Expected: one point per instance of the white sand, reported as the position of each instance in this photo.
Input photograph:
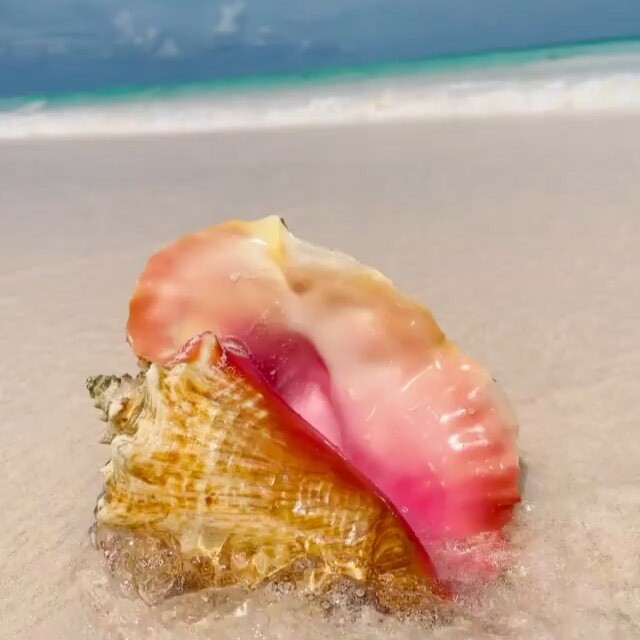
(522, 236)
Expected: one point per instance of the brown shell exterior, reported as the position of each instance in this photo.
(200, 456)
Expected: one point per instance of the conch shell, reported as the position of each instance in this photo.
(298, 416)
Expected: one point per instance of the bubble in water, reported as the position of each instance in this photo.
(149, 565)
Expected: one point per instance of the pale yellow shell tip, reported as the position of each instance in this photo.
(271, 230)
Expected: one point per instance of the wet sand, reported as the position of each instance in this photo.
(521, 235)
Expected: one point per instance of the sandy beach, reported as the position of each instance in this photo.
(521, 235)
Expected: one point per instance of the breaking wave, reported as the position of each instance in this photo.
(588, 85)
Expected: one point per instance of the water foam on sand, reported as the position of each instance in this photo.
(576, 574)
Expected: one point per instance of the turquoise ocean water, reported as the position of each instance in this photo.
(589, 76)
